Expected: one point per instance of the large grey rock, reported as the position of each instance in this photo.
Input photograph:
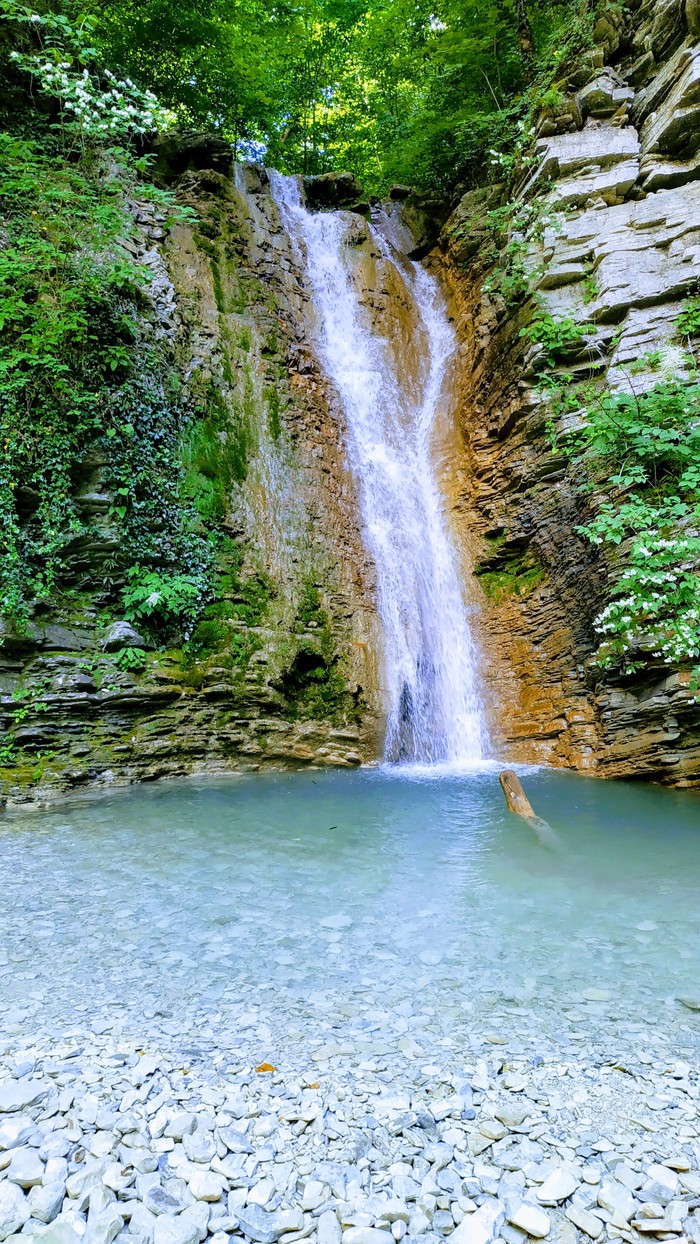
(105, 1227)
(661, 1185)
(481, 1226)
(328, 1228)
(19, 1094)
(26, 1168)
(14, 1209)
(206, 1185)
(142, 1224)
(585, 1221)
(530, 1219)
(158, 1201)
(616, 1198)
(169, 1229)
(68, 1228)
(366, 1235)
(235, 1141)
(45, 1201)
(123, 635)
(15, 1131)
(180, 150)
(332, 190)
(557, 1187)
(266, 1228)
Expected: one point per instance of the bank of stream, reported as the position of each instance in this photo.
(301, 1005)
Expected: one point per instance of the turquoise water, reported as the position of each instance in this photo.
(296, 907)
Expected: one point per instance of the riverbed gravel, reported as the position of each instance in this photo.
(158, 1138)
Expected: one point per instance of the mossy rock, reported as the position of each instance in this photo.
(509, 571)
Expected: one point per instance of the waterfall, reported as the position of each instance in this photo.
(433, 706)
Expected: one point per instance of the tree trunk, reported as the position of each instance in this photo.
(526, 41)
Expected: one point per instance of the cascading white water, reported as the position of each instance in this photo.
(434, 712)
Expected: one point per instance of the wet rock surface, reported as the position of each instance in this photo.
(617, 162)
(228, 297)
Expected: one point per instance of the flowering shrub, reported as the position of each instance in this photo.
(103, 106)
(649, 443)
(98, 103)
(655, 604)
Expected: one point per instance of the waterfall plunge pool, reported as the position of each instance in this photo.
(357, 911)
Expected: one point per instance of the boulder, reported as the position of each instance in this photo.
(179, 151)
(253, 178)
(330, 190)
(123, 635)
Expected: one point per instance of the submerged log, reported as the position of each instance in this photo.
(518, 802)
(516, 798)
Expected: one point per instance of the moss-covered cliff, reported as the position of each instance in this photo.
(208, 602)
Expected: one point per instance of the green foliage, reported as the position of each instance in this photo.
(590, 288)
(8, 750)
(92, 105)
(646, 448)
(310, 611)
(78, 372)
(688, 322)
(130, 659)
(655, 604)
(164, 601)
(510, 231)
(650, 440)
(557, 338)
(651, 361)
(432, 92)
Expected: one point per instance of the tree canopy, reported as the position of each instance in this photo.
(423, 91)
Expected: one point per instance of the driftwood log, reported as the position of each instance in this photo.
(518, 802)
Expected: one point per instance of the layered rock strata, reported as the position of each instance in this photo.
(285, 668)
(614, 186)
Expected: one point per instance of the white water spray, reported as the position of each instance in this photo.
(434, 712)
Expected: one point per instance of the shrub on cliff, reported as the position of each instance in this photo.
(79, 373)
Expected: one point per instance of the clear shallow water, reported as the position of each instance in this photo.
(332, 907)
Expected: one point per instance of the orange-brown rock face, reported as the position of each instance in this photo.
(536, 577)
(624, 253)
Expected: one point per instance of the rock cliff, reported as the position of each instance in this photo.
(280, 667)
(603, 236)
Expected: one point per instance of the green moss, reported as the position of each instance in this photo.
(312, 680)
(214, 453)
(210, 634)
(313, 686)
(274, 422)
(204, 245)
(252, 597)
(226, 369)
(509, 573)
(218, 287)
